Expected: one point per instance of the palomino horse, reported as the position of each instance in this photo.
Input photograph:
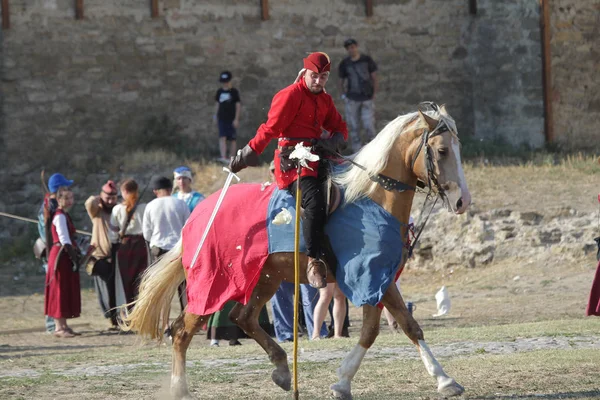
(413, 147)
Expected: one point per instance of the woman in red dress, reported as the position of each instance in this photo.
(63, 294)
(132, 256)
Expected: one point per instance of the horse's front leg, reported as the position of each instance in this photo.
(393, 301)
(368, 334)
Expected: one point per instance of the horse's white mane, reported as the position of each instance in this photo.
(375, 155)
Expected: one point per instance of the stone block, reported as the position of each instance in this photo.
(567, 36)
(330, 30)
(460, 53)
(41, 97)
(128, 97)
(195, 61)
(61, 108)
(30, 84)
(550, 237)
(531, 218)
(249, 84)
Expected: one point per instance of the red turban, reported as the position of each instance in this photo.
(317, 62)
(110, 188)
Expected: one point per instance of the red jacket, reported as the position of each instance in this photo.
(297, 113)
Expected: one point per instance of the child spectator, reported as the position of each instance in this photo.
(227, 115)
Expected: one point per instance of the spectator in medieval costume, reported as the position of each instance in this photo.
(183, 185)
(55, 182)
(62, 292)
(102, 263)
(228, 110)
(132, 254)
(163, 221)
(358, 85)
(297, 115)
(220, 327)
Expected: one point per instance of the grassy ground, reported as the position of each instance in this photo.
(481, 342)
(489, 310)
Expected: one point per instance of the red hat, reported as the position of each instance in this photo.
(110, 188)
(317, 62)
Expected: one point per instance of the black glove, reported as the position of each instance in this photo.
(74, 255)
(335, 144)
(244, 158)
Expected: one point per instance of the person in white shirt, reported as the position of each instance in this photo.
(164, 218)
(132, 254)
(163, 221)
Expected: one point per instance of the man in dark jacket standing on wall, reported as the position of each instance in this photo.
(358, 85)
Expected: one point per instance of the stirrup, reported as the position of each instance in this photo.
(321, 274)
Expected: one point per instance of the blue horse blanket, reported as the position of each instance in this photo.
(365, 238)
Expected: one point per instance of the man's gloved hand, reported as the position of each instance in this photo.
(245, 157)
(335, 144)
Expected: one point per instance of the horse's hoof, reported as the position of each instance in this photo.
(340, 392)
(451, 390)
(283, 379)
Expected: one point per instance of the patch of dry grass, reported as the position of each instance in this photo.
(535, 185)
(548, 374)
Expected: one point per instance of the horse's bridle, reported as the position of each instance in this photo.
(432, 179)
(391, 184)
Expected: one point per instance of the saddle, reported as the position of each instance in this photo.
(333, 195)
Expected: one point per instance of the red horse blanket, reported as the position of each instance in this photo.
(229, 265)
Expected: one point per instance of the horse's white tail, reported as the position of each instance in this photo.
(157, 288)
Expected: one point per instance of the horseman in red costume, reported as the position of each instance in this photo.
(298, 114)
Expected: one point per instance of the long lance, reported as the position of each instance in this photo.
(302, 154)
(296, 283)
(34, 221)
(230, 177)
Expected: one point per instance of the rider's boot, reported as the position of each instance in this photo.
(316, 272)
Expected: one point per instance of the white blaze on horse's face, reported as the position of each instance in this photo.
(450, 174)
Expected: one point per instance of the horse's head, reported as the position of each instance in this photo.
(437, 162)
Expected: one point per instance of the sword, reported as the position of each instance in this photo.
(214, 213)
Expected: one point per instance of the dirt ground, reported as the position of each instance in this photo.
(516, 329)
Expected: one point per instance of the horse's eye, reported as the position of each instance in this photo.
(443, 151)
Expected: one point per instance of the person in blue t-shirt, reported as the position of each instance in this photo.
(183, 187)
